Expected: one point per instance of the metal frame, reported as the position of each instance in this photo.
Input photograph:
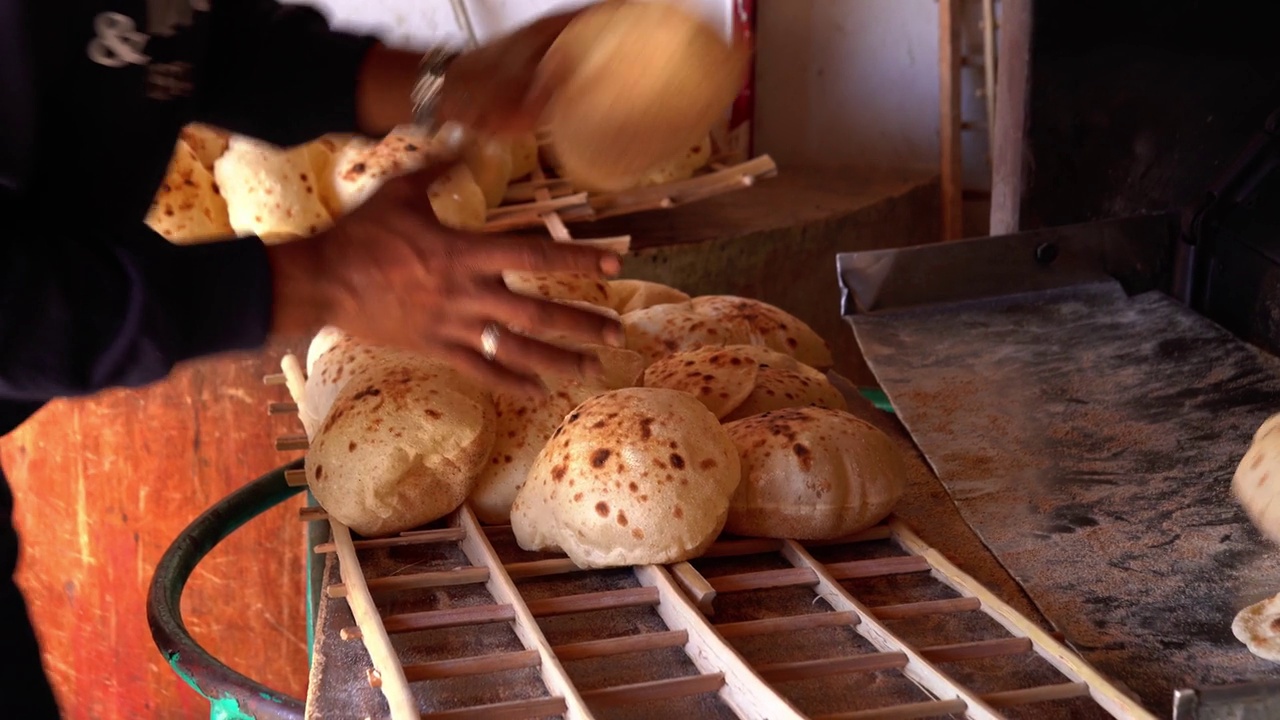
(232, 696)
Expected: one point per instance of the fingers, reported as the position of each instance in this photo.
(491, 375)
(527, 356)
(544, 318)
(537, 255)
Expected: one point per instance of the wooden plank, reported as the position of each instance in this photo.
(977, 649)
(513, 710)
(744, 691)
(918, 668)
(1008, 177)
(762, 580)
(639, 693)
(828, 667)
(926, 607)
(589, 602)
(394, 686)
(412, 581)
(695, 586)
(448, 618)
(952, 161)
(1110, 697)
(418, 538)
(608, 647)
(482, 665)
(1044, 693)
(910, 711)
(878, 567)
(503, 589)
(795, 623)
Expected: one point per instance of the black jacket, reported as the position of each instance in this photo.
(93, 94)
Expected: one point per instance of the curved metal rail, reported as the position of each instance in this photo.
(231, 696)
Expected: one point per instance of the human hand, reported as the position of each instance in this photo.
(491, 89)
(389, 273)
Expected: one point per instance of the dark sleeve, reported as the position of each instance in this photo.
(279, 72)
(81, 312)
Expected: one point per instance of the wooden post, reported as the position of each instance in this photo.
(1012, 78)
(949, 58)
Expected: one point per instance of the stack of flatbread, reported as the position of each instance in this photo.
(714, 419)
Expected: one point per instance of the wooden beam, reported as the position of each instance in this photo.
(1012, 84)
(952, 161)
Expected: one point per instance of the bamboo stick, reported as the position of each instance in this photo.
(463, 667)
(827, 667)
(589, 602)
(424, 537)
(1044, 693)
(448, 618)
(763, 579)
(878, 567)
(541, 568)
(927, 607)
(695, 586)
(977, 649)
(910, 711)
(414, 581)
(609, 647)
(738, 548)
(291, 443)
(794, 623)
(654, 690)
(512, 710)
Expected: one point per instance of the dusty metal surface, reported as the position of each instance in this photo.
(1090, 438)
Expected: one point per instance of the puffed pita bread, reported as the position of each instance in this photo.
(629, 295)
(328, 374)
(187, 207)
(524, 424)
(1258, 627)
(638, 82)
(1256, 484)
(489, 161)
(524, 155)
(207, 141)
(778, 389)
(401, 446)
(361, 167)
(774, 327)
(580, 287)
(323, 153)
(271, 192)
(682, 166)
(812, 474)
(631, 477)
(323, 342)
(662, 330)
(719, 377)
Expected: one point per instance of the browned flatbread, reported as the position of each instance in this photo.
(719, 377)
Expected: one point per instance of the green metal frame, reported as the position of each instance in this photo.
(231, 696)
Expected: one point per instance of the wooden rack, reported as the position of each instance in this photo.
(699, 616)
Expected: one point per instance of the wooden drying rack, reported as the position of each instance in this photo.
(685, 600)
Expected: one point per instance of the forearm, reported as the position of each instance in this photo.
(81, 311)
(383, 92)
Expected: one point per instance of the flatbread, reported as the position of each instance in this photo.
(771, 326)
(270, 192)
(631, 477)
(629, 295)
(579, 287)
(489, 161)
(328, 374)
(639, 82)
(663, 330)
(361, 167)
(682, 166)
(524, 155)
(187, 208)
(1256, 484)
(1258, 627)
(778, 389)
(524, 424)
(401, 446)
(207, 141)
(812, 474)
(719, 377)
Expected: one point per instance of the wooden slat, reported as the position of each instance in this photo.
(878, 567)
(879, 532)
(587, 602)
(282, 408)
(738, 548)
(609, 647)
(482, 665)
(312, 513)
(977, 649)
(413, 581)
(1008, 161)
(513, 710)
(1044, 693)
(927, 607)
(744, 691)
(952, 142)
(827, 667)
(541, 568)
(448, 618)
(274, 379)
(794, 623)
(421, 538)
(1110, 697)
(291, 443)
(763, 579)
(503, 589)
(695, 586)
(918, 668)
(295, 478)
(644, 692)
(910, 711)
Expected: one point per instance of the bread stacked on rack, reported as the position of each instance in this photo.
(689, 433)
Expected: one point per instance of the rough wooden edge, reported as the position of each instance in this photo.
(746, 693)
(480, 552)
(1008, 164)
(394, 686)
(1110, 697)
(918, 669)
(952, 142)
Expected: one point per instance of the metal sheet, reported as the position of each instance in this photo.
(1090, 438)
